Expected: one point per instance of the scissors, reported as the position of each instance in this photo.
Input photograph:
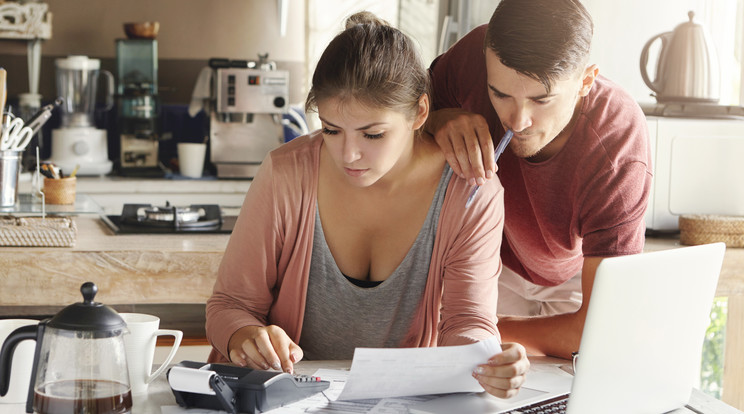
(15, 135)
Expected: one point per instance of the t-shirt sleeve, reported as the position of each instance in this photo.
(612, 213)
(614, 221)
(451, 72)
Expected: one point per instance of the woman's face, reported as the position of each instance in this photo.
(366, 143)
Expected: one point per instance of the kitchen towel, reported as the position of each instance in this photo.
(202, 91)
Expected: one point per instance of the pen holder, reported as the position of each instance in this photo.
(59, 190)
(10, 169)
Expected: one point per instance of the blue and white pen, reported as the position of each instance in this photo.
(496, 154)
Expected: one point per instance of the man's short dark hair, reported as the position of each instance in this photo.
(543, 39)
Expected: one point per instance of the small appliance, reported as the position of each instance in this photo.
(138, 107)
(78, 142)
(687, 68)
(246, 123)
(80, 363)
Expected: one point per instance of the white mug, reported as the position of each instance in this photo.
(22, 364)
(140, 348)
(191, 158)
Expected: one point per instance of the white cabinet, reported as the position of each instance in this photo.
(697, 169)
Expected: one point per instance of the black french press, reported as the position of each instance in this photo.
(79, 363)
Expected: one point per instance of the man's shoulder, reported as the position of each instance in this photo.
(610, 99)
(467, 48)
(612, 114)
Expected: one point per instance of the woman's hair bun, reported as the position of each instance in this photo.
(365, 17)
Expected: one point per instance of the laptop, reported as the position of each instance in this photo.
(642, 342)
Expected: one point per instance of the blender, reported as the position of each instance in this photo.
(78, 142)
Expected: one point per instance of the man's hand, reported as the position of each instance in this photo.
(504, 373)
(264, 347)
(465, 141)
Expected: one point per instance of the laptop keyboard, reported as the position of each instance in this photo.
(555, 405)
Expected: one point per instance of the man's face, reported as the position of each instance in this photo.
(535, 116)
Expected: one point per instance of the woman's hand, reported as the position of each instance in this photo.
(264, 347)
(504, 373)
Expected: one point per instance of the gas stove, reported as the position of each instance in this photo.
(149, 219)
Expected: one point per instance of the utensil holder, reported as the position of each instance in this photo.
(59, 190)
(10, 169)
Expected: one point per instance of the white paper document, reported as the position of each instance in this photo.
(399, 372)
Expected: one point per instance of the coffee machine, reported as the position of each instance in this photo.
(78, 143)
(138, 107)
(246, 121)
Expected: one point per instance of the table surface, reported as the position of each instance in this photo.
(160, 394)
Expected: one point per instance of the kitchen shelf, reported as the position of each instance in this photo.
(28, 21)
(30, 205)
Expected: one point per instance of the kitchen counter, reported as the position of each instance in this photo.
(127, 268)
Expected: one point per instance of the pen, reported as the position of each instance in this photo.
(496, 154)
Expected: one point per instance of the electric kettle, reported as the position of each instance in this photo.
(79, 364)
(687, 68)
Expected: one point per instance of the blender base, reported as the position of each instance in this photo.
(83, 146)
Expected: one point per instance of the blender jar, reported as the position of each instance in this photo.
(77, 81)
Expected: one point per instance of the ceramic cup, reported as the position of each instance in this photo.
(140, 348)
(22, 364)
(191, 158)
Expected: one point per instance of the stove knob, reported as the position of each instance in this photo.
(80, 148)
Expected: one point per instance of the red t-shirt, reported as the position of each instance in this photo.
(589, 199)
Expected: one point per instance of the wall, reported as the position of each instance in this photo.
(191, 31)
(621, 29)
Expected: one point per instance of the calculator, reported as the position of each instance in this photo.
(245, 390)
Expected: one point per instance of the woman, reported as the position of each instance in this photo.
(357, 235)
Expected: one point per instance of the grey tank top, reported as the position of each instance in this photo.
(340, 316)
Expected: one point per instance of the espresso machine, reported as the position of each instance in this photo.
(246, 121)
(138, 107)
(78, 143)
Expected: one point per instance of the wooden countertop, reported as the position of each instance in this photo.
(126, 268)
(169, 268)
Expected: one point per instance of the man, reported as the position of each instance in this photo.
(576, 174)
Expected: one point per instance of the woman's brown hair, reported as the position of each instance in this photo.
(373, 63)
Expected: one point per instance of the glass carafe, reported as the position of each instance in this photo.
(77, 83)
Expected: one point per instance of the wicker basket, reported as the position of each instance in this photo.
(37, 232)
(702, 229)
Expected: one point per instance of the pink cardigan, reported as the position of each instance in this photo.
(263, 276)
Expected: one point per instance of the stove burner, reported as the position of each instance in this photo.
(145, 218)
(195, 216)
